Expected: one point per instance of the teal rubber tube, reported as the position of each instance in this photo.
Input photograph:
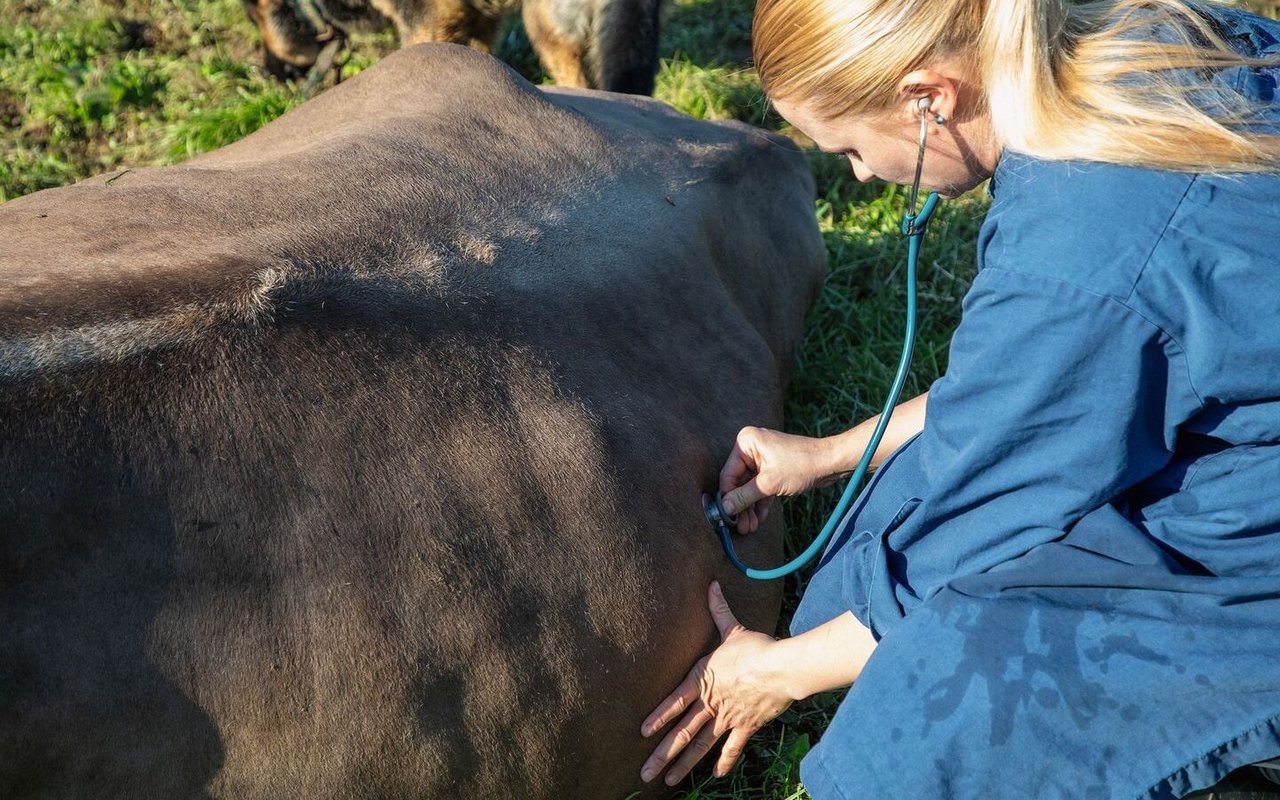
(913, 226)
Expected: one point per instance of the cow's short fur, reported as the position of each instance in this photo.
(610, 44)
(361, 458)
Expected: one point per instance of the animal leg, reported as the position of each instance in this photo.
(625, 45)
(561, 44)
(454, 21)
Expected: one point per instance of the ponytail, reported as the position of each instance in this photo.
(1062, 80)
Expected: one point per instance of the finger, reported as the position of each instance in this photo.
(762, 510)
(732, 750)
(743, 497)
(675, 742)
(725, 621)
(748, 522)
(675, 703)
(738, 467)
(699, 747)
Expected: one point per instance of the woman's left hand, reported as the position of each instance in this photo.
(736, 689)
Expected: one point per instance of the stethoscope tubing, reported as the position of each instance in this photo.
(913, 225)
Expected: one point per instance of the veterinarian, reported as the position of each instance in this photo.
(1064, 582)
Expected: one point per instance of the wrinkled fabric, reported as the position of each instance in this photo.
(1074, 569)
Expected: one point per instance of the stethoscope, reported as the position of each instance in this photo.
(913, 226)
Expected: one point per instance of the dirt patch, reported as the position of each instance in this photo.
(12, 109)
(137, 34)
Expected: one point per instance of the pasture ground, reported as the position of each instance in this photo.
(95, 85)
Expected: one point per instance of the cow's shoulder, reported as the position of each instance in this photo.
(437, 175)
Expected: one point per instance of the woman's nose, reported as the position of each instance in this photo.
(860, 170)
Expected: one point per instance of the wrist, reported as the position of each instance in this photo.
(843, 451)
(788, 663)
(828, 657)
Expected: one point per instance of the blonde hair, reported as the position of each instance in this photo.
(1060, 79)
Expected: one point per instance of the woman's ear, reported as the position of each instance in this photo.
(942, 92)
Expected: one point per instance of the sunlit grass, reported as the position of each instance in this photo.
(712, 92)
(209, 128)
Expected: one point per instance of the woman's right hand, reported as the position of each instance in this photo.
(765, 464)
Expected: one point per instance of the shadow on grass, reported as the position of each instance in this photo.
(709, 33)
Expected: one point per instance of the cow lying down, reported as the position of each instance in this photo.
(362, 458)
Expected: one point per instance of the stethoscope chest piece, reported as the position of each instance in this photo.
(713, 507)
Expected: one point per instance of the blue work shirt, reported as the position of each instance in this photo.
(1074, 569)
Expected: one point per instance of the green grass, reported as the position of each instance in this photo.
(92, 86)
(103, 84)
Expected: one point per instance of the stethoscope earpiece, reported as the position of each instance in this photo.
(924, 105)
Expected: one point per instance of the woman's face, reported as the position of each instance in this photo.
(957, 157)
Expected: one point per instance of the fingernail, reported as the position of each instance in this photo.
(645, 731)
(715, 587)
(671, 780)
(646, 775)
(729, 507)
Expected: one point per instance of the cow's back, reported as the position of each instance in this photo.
(362, 457)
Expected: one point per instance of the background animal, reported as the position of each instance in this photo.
(361, 458)
(611, 44)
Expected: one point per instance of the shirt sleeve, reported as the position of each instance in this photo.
(1055, 401)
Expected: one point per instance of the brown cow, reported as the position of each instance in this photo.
(362, 458)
